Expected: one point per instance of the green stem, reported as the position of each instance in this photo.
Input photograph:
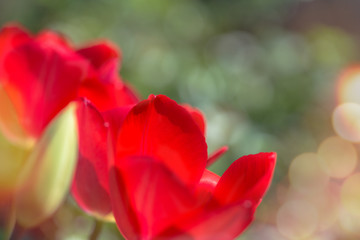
(96, 230)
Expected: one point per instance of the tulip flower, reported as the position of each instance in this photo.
(40, 78)
(98, 131)
(160, 187)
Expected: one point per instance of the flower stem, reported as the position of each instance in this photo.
(96, 230)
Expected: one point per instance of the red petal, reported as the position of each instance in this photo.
(41, 81)
(155, 195)
(104, 60)
(100, 54)
(246, 179)
(122, 207)
(115, 118)
(160, 128)
(206, 186)
(90, 186)
(11, 36)
(224, 223)
(53, 40)
(197, 115)
(103, 86)
(216, 155)
(106, 96)
(125, 94)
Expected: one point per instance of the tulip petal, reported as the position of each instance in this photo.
(225, 223)
(154, 194)
(197, 115)
(103, 87)
(100, 54)
(48, 171)
(90, 186)
(40, 81)
(10, 124)
(106, 96)
(53, 40)
(123, 211)
(206, 186)
(162, 129)
(115, 118)
(11, 36)
(12, 161)
(247, 178)
(216, 155)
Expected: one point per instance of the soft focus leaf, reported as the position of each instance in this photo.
(48, 170)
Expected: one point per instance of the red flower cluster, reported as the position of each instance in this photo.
(142, 162)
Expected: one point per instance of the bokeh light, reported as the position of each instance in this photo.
(349, 223)
(349, 85)
(306, 174)
(338, 157)
(350, 194)
(297, 219)
(346, 121)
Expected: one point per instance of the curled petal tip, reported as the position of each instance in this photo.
(216, 155)
(271, 156)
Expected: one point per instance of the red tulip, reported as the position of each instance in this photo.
(98, 133)
(159, 186)
(39, 77)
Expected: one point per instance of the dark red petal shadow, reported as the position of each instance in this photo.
(100, 54)
(197, 115)
(90, 187)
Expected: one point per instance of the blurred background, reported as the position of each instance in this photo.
(270, 75)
